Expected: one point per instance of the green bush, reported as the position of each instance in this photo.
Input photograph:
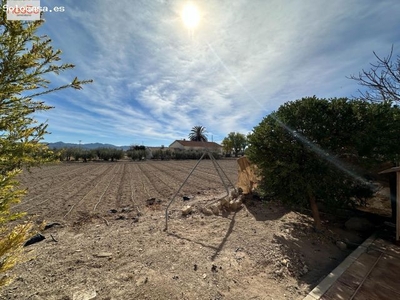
(318, 149)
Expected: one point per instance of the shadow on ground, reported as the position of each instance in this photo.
(304, 249)
(263, 210)
(220, 246)
(301, 256)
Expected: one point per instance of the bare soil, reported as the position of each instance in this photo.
(106, 240)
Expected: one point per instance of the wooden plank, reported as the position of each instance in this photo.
(398, 207)
(394, 169)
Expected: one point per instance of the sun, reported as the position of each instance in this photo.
(190, 16)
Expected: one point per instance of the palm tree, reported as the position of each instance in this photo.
(198, 133)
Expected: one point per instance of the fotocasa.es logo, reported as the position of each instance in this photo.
(23, 10)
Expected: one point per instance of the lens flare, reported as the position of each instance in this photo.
(315, 148)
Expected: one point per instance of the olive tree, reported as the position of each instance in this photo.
(235, 142)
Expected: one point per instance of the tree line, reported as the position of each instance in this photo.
(135, 153)
(76, 154)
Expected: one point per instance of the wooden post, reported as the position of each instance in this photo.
(397, 171)
(398, 207)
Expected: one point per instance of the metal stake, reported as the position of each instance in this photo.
(216, 166)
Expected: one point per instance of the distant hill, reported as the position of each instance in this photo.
(60, 145)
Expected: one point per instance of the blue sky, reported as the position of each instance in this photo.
(154, 79)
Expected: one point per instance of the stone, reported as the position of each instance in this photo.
(84, 295)
(305, 270)
(225, 201)
(235, 205)
(126, 209)
(215, 209)
(359, 224)
(186, 210)
(234, 194)
(142, 280)
(103, 254)
(341, 245)
(206, 211)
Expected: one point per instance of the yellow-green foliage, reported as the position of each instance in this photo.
(25, 58)
(11, 239)
(11, 245)
(9, 195)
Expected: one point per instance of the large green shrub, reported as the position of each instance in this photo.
(314, 150)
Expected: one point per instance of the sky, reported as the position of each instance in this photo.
(154, 78)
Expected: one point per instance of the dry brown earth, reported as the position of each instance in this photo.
(110, 243)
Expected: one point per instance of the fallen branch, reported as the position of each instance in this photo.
(105, 220)
(48, 226)
(52, 237)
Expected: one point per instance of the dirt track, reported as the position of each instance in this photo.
(111, 245)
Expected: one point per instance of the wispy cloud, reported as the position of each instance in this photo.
(154, 80)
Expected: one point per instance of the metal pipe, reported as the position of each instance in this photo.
(173, 198)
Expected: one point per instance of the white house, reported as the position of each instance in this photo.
(196, 146)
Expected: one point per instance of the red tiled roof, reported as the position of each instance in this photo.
(198, 144)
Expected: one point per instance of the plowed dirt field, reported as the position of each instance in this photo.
(106, 237)
(69, 191)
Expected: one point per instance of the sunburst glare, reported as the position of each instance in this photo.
(190, 16)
